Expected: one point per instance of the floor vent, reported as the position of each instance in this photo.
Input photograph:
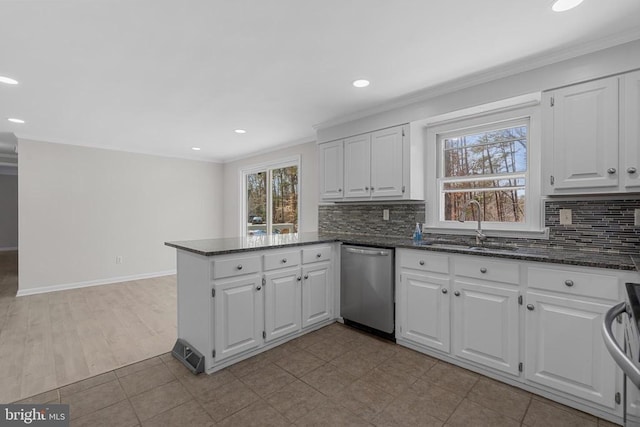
(189, 356)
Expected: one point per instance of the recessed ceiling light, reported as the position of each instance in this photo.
(562, 5)
(195, 148)
(240, 131)
(8, 80)
(14, 120)
(361, 83)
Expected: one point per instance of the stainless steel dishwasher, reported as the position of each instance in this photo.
(367, 288)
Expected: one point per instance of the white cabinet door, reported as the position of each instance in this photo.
(357, 166)
(631, 128)
(316, 294)
(564, 348)
(331, 170)
(485, 325)
(581, 123)
(423, 310)
(283, 314)
(386, 163)
(238, 315)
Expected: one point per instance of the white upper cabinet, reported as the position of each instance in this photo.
(631, 131)
(357, 166)
(581, 128)
(591, 137)
(386, 163)
(331, 157)
(380, 165)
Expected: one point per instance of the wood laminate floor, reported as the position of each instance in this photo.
(54, 339)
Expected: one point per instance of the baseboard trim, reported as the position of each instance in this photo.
(89, 283)
(7, 249)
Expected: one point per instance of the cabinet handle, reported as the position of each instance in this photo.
(631, 170)
(457, 293)
(483, 270)
(611, 171)
(444, 290)
(306, 276)
(258, 288)
(318, 255)
(530, 307)
(569, 283)
(421, 262)
(284, 260)
(239, 267)
(298, 278)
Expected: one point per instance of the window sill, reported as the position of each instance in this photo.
(518, 234)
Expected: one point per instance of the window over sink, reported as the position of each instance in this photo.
(492, 157)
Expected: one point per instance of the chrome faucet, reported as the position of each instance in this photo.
(480, 236)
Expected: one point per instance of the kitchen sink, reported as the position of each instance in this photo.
(489, 248)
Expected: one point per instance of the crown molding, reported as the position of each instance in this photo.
(488, 75)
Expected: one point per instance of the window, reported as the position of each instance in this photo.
(492, 158)
(270, 195)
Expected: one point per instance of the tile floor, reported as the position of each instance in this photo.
(335, 376)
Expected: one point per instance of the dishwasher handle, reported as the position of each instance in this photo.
(628, 367)
(371, 252)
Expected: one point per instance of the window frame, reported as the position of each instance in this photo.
(268, 168)
(479, 122)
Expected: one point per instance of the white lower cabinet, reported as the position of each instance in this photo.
(486, 325)
(564, 348)
(423, 309)
(282, 301)
(316, 293)
(237, 305)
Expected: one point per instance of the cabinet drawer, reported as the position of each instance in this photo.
(425, 261)
(237, 266)
(486, 269)
(281, 259)
(316, 254)
(573, 282)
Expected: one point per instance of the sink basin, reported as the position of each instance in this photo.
(490, 248)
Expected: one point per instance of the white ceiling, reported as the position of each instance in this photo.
(161, 76)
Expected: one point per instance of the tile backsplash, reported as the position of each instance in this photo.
(599, 224)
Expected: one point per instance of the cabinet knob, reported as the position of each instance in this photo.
(339, 190)
(569, 283)
(457, 293)
(258, 288)
(631, 170)
(483, 270)
(306, 276)
(318, 255)
(444, 290)
(366, 188)
(530, 307)
(284, 260)
(372, 188)
(298, 278)
(611, 171)
(421, 262)
(239, 267)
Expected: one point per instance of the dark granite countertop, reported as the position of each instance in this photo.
(211, 247)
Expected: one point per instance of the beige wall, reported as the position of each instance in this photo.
(8, 211)
(81, 207)
(308, 186)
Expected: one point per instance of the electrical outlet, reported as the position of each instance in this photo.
(119, 259)
(636, 216)
(385, 214)
(565, 216)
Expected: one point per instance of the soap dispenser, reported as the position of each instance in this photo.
(417, 234)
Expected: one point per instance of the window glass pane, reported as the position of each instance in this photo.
(484, 184)
(497, 206)
(257, 203)
(494, 152)
(284, 200)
